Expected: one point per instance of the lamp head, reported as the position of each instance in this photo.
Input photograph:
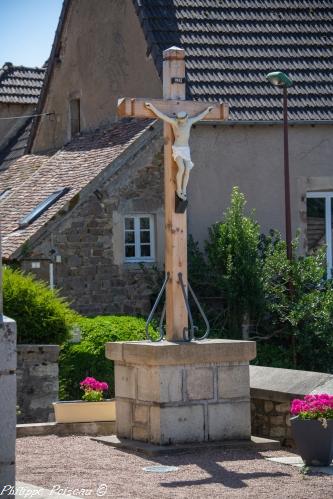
(279, 79)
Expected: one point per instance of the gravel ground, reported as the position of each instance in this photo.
(80, 463)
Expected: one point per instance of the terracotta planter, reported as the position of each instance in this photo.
(80, 411)
(314, 442)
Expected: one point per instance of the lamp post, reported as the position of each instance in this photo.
(280, 79)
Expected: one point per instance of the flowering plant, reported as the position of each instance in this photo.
(318, 406)
(93, 389)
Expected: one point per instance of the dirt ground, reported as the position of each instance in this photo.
(98, 470)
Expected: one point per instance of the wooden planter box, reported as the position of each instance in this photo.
(80, 411)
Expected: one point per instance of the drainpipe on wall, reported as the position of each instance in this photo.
(51, 272)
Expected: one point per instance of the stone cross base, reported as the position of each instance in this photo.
(182, 392)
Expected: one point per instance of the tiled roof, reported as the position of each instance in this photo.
(20, 85)
(232, 44)
(74, 166)
(19, 171)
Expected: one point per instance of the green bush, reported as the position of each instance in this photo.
(87, 358)
(42, 316)
(233, 260)
(289, 303)
(272, 354)
(298, 307)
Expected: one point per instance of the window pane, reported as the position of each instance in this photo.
(129, 251)
(129, 223)
(129, 237)
(315, 223)
(145, 236)
(145, 249)
(144, 223)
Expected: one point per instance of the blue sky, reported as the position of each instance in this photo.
(27, 30)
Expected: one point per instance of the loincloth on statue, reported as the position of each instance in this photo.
(184, 153)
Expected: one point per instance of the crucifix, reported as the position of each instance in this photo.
(178, 116)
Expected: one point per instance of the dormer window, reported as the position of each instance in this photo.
(42, 207)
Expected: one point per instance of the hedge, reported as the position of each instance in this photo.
(87, 358)
(42, 316)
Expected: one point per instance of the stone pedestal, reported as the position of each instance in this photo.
(170, 393)
(8, 402)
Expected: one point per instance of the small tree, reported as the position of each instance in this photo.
(233, 255)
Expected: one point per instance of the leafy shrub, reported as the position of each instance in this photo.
(42, 316)
(87, 358)
(272, 353)
(298, 306)
(233, 259)
(289, 303)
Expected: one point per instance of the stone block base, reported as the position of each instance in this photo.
(169, 393)
(256, 444)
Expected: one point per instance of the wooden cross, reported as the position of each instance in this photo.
(175, 223)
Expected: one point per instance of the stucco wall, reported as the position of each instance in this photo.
(101, 60)
(9, 127)
(90, 239)
(252, 158)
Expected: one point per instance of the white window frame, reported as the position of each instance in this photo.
(328, 196)
(138, 258)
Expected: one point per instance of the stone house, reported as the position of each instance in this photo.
(19, 92)
(65, 220)
(96, 183)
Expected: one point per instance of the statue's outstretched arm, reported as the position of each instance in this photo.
(201, 115)
(159, 114)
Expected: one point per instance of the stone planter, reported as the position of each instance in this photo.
(313, 440)
(80, 411)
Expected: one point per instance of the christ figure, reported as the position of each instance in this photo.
(181, 126)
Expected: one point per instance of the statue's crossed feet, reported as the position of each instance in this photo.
(182, 195)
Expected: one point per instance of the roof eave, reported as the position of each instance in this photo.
(265, 122)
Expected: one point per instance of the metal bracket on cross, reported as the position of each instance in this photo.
(188, 332)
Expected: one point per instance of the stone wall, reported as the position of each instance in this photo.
(7, 401)
(271, 419)
(37, 382)
(90, 238)
(272, 391)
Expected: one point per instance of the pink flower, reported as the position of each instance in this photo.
(92, 384)
(313, 406)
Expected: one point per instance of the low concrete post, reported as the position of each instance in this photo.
(7, 403)
(7, 398)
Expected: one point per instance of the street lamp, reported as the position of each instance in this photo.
(279, 79)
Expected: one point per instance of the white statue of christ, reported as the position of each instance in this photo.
(181, 126)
